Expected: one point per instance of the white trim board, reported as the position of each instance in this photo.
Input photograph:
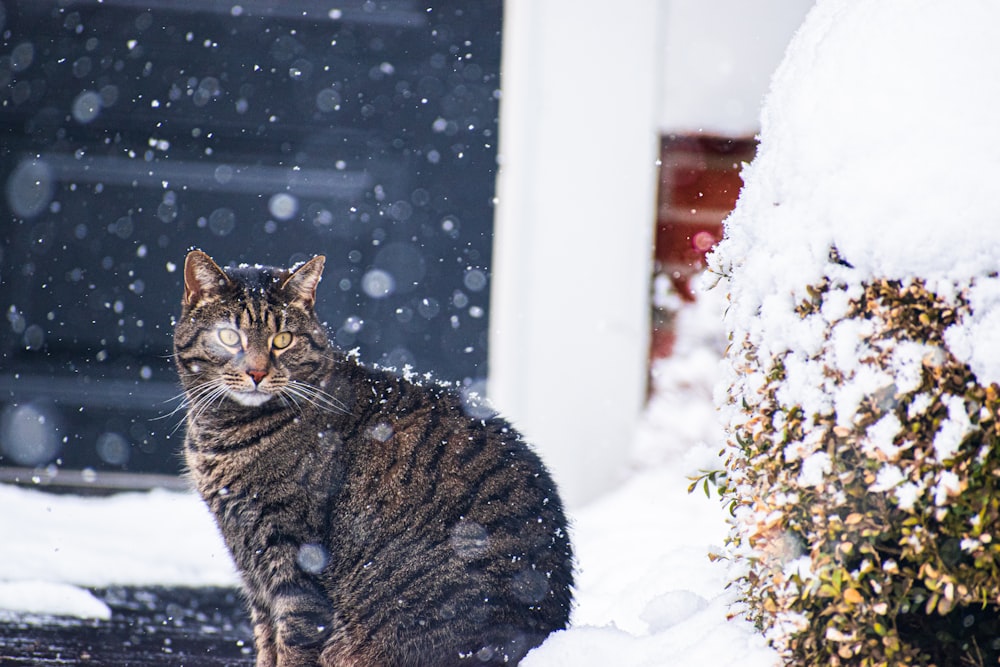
(569, 313)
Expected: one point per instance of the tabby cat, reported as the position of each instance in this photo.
(374, 522)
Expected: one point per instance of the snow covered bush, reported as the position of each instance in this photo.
(870, 523)
(861, 398)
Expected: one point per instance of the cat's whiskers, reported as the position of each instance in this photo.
(201, 390)
(211, 400)
(181, 408)
(185, 400)
(205, 395)
(288, 402)
(181, 405)
(287, 398)
(313, 396)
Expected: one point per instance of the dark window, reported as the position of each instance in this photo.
(259, 132)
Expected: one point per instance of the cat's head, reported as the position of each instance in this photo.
(249, 334)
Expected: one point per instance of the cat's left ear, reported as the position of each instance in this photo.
(304, 280)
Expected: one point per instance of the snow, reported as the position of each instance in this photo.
(879, 438)
(877, 138)
(47, 598)
(717, 58)
(56, 546)
(953, 429)
(814, 468)
(973, 340)
(888, 478)
(647, 592)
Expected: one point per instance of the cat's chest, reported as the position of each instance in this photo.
(290, 482)
(279, 446)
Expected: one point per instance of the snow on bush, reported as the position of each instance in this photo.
(863, 459)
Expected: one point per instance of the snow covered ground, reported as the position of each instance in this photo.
(647, 592)
(56, 545)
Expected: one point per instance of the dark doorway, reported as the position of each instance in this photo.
(260, 132)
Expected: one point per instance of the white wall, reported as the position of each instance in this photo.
(588, 86)
(572, 255)
(716, 61)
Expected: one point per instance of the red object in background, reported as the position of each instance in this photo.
(699, 184)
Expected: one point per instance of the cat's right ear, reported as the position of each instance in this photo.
(303, 280)
(202, 278)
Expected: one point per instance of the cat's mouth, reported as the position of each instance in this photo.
(250, 399)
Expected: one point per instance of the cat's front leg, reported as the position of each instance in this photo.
(263, 638)
(303, 621)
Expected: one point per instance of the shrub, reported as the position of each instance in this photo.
(863, 475)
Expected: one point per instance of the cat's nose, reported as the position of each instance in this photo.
(256, 376)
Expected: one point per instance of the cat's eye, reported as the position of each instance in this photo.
(229, 337)
(281, 340)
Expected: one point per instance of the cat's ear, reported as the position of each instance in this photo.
(202, 278)
(302, 282)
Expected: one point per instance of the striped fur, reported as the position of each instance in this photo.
(374, 522)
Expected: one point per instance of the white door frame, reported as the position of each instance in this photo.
(570, 307)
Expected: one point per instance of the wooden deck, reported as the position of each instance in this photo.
(148, 626)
